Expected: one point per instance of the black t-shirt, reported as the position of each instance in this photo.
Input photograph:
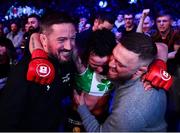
(27, 106)
(11, 51)
(122, 29)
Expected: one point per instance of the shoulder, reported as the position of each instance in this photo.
(137, 95)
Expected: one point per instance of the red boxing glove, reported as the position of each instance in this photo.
(158, 76)
(40, 70)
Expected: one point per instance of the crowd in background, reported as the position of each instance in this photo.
(15, 35)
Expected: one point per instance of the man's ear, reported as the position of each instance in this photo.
(140, 72)
(44, 41)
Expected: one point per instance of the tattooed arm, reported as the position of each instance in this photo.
(35, 42)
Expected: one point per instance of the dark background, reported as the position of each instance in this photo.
(90, 7)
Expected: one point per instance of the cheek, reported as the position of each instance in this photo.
(121, 71)
(90, 62)
(73, 43)
(52, 48)
(167, 25)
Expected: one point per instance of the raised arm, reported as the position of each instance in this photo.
(143, 16)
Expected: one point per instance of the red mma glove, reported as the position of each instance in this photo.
(40, 70)
(158, 76)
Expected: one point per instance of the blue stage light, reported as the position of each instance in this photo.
(103, 4)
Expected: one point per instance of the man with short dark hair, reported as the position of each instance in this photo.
(33, 22)
(132, 108)
(129, 25)
(27, 106)
(169, 36)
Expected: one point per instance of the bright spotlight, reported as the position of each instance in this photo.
(103, 4)
(132, 1)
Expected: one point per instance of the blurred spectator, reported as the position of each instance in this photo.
(32, 27)
(83, 24)
(146, 23)
(137, 18)
(119, 21)
(1, 30)
(167, 35)
(7, 56)
(129, 25)
(26, 27)
(16, 36)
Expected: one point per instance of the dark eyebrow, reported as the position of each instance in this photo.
(59, 38)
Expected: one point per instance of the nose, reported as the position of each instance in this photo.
(68, 45)
(161, 23)
(112, 62)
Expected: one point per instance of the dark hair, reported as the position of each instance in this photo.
(101, 43)
(16, 23)
(53, 17)
(120, 13)
(106, 16)
(9, 46)
(163, 13)
(34, 16)
(141, 44)
(129, 12)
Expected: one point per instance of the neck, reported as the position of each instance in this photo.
(164, 34)
(129, 28)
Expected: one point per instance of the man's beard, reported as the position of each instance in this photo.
(32, 30)
(58, 57)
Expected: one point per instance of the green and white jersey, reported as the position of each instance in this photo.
(93, 83)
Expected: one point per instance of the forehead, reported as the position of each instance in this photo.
(64, 29)
(128, 16)
(97, 59)
(13, 25)
(120, 15)
(32, 19)
(166, 17)
(124, 56)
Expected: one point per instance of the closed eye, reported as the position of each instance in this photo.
(61, 40)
